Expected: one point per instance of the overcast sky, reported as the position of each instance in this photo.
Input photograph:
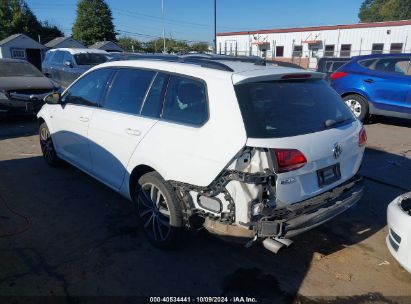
(193, 19)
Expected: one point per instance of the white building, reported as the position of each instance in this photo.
(20, 46)
(305, 45)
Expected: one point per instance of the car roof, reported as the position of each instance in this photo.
(395, 55)
(80, 51)
(239, 72)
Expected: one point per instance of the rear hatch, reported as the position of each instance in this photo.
(311, 134)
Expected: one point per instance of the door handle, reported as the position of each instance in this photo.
(84, 119)
(133, 132)
(369, 80)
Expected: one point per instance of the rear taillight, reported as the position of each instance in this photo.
(362, 137)
(337, 75)
(289, 159)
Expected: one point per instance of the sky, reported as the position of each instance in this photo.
(192, 20)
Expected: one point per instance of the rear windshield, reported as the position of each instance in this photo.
(290, 108)
(10, 69)
(90, 58)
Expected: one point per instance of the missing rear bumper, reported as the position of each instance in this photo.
(308, 214)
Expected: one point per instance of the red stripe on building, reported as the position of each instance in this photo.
(320, 28)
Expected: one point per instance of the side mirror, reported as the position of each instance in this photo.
(68, 63)
(53, 98)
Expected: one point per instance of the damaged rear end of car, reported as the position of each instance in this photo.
(298, 168)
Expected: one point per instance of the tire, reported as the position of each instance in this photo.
(358, 105)
(47, 146)
(159, 212)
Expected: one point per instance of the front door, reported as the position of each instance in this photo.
(71, 119)
(117, 128)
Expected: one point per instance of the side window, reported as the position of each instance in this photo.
(67, 57)
(128, 90)
(186, 101)
(58, 57)
(367, 63)
(154, 100)
(393, 66)
(89, 89)
(48, 56)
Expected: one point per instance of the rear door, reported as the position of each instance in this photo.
(388, 84)
(71, 119)
(117, 128)
(308, 116)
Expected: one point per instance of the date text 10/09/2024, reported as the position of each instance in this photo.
(234, 299)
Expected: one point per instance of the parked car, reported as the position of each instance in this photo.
(399, 233)
(65, 65)
(376, 84)
(22, 87)
(246, 151)
(329, 65)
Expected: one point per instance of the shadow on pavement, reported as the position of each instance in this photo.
(84, 241)
(17, 126)
(400, 122)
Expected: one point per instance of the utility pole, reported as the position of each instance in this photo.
(215, 26)
(162, 20)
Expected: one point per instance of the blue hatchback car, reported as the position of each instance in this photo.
(376, 84)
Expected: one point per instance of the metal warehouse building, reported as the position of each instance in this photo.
(305, 45)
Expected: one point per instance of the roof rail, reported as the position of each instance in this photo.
(207, 63)
(204, 62)
(217, 57)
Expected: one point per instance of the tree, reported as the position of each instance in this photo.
(94, 22)
(384, 10)
(199, 47)
(130, 44)
(49, 32)
(16, 17)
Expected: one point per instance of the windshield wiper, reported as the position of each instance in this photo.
(331, 122)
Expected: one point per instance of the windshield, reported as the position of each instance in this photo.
(11, 69)
(90, 58)
(290, 108)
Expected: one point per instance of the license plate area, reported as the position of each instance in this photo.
(328, 175)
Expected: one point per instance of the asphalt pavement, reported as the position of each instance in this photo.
(64, 234)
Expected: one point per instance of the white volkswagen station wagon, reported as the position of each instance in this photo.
(249, 152)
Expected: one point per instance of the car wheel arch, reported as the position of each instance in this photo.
(40, 120)
(355, 93)
(135, 175)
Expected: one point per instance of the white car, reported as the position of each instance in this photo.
(399, 225)
(244, 150)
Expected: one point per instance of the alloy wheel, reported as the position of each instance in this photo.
(46, 144)
(154, 212)
(355, 106)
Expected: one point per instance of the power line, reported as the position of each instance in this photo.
(158, 37)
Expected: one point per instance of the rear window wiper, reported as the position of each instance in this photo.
(332, 122)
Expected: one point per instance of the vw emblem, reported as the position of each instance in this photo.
(337, 150)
